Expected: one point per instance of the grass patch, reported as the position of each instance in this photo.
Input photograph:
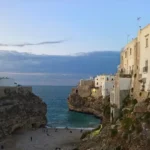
(114, 132)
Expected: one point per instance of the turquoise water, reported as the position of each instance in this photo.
(57, 114)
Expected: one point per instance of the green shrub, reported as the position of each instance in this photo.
(127, 123)
(118, 148)
(85, 134)
(114, 132)
(138, 128)
(134, 101)
(146, 117)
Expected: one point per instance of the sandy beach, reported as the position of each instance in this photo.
(43, 139)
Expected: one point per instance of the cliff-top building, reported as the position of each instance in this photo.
(133, 71)
(105, 82)
(144, 63)
(127, 60)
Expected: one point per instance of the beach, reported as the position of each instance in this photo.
(43, 139)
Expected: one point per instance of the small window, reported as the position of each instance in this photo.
(107, 79)
(146, 42)
(125, 54)
(130, 51)
(146, 63)
(97, 83)
(112, 79)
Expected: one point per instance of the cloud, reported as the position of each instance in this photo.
(28, 68)
(32, 44)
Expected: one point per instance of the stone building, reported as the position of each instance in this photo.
(127, 60)
(106, 83)
(133, 76)
(144, 63)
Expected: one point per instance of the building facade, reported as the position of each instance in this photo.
(106, 83)
(144, 63)
(127, 60)
(120, 91)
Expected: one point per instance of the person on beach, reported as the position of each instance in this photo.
(2, 147)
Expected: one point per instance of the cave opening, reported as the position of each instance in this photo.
(17, 130)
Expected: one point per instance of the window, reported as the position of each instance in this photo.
(130, 51)
(97, 83)
(125, 54)
(146, 63)
(146, 42)
(112, 79)
(107, 79)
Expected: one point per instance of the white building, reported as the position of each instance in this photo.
(118, 94)
(105, 82)
(4, 81)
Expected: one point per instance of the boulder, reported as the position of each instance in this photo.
(140, 107)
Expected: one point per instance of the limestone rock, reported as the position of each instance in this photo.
(21, 110)
(148, 108)
(140, 107)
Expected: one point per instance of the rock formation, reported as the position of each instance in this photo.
(131, 131)
(21, 110)
(82, 99)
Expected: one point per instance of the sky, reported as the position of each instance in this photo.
(31, 69)
(78, 25)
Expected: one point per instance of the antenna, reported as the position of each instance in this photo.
(138, 22)
(128, 37)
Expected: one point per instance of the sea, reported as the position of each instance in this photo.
(58, 114)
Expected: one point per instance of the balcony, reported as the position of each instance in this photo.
(145, 69)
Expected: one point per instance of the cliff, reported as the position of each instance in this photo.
(131, 131)
(86, 98)
(21, 110)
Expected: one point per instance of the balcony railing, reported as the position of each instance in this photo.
(145, 69)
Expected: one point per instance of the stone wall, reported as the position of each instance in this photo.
(5, 89)
(123, 95)
(89, 83)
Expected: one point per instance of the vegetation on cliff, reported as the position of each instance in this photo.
(131, 131)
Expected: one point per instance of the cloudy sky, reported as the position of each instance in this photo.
(58, 42)
(31, 69)
(69, 26)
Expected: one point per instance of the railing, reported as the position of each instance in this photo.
(145, 69)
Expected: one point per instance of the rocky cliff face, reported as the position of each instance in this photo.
(82, 99)
(131, 131)
(21, 110)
